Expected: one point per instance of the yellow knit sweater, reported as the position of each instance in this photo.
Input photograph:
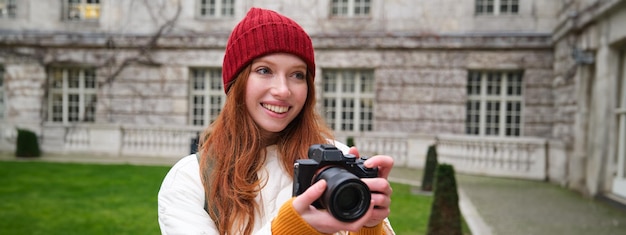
(288, 221)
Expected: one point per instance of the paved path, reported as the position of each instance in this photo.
(522, 207)
(489, 205)
(512, 207)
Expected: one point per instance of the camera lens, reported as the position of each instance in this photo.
(345, 199)
(346, 196)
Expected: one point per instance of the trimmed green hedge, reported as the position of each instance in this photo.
(445, 215)
(27, 144)
(429, 169)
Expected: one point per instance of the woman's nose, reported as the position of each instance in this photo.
(280, 86)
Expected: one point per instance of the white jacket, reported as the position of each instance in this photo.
(181, 197)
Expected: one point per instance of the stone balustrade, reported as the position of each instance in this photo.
(518, 157)
(495, 156)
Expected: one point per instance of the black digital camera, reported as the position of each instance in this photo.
(346, 196)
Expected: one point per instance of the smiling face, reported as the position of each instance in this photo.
(276, 91)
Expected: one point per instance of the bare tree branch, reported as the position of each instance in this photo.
(145, 51)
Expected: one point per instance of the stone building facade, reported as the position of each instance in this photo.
(590, 94)
(85, 74)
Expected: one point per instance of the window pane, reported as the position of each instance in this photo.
(57, 107)
(493, 83)
(8, 8)
(514, 84)
(479, 6)
(83, 10)
(509, 6)
(347, 115)
(352, 108)
(514, 6)
(228, 7)
(339, 7)
(216, 107)
(91, 10)
(504, 6)
(473, 83)
(513, 113)
(1, 93)
(206, 95)
(367, 83)
(73, 108)
(216, 80)
(90, 78)
(330, 82)
(198, 79)
(348, 82)
(73, 78)
(198, 110)
(484, 7)
(490, 120)
(366, 114)
(329, 114)
(73, 95)
(56, 80)
(472, 121)
(361, 7)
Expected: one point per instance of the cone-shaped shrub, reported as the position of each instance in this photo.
(350, 141)
(445, 215)
(429, 168)
(27, 144)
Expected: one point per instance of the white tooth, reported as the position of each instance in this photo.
(275, 108)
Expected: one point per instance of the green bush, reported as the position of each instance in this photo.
(445, 215)
(429, 168)
(350, 141)
(27, 144)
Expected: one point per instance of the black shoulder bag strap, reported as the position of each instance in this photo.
(206, 205)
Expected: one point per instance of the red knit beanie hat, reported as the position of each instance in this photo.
(260, 33)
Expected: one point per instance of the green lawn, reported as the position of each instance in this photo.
(54, 198)
(409, 212)
(66, 198)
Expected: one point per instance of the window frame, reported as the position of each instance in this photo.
(220, 7)
(2, 96)
(619, 179)
(87, 102)
(352, 8)
(10, 8)
(76, 10)
(481, 7)
(479, 120)
(212, 89)
(363, 100)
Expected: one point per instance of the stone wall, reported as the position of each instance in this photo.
(23, 88)
(419, 90)
(420, 52)
(424, 90)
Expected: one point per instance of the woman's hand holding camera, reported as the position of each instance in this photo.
(381, 190)
(381, 198)
(322, 220)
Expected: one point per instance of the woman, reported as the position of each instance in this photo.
(241, 180)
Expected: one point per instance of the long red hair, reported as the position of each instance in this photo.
(233, 152)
